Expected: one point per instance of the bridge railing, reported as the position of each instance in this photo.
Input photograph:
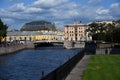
(48, 41)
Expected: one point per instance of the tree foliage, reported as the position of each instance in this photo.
(97, 30)
(116, 35)
(3, 30)
(105, 32)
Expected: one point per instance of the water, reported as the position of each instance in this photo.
(29, 64)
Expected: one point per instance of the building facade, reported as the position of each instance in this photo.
(39, 26)
(35, 31)
(75, 32)
(31, 36)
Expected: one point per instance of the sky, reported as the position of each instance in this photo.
(15, 13)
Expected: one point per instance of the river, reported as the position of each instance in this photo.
(29, 64)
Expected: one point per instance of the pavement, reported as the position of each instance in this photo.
(77, 72)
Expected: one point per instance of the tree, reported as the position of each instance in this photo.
(109, 32)
(3, 30)
(97, 30)
(116, 35)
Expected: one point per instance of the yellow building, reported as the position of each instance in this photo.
(35, 31)
(106, 22)
(30, 36)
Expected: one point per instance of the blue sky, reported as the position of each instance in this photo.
(15, 13)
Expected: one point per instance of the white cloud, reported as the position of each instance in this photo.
(13, 0)
(48, 3)
(17, 7)
(33, 10)
(8, 20)
(102, 11)
(115, 10)
(61, 12)
(115, 5)
(94, 1)
(14, 15)
(103, 14)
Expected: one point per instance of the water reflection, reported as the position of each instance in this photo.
(28, 64)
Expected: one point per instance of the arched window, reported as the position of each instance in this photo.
(30, 38)
(25, 38)
(10, 38)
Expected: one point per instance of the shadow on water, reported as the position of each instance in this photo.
(29, 64)
(54, 47)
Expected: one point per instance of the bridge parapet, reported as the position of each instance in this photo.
(49, 41)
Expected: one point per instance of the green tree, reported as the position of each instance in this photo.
(116, 35)
(109, 34)
(97, 30)
(3, 30)
(93, 27)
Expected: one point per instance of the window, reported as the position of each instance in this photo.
(10, 38)
(25, 38)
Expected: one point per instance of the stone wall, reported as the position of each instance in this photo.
(79, 44)
(68, 44)
(71, 44)
(15, 48)
(62, 72)
(30, 45)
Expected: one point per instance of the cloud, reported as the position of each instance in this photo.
(13, 0)
(115, 10)
(94, 1)
(8, 20)
(33, 10)
(10, 14)
(103, 14)
(61, 12)
(102, 11)
(17, 7)
(48, 3)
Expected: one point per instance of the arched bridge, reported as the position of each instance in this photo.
(48, 42)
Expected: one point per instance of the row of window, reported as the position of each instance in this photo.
(20, 38)
(76, 35)
(74, 31)
(72, 28)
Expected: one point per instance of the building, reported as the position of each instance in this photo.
(30, 36)
(75, 32)
(39, 26)
(35, 31)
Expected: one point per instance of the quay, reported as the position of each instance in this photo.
(7, 49)
(63, 71)
(77, 72)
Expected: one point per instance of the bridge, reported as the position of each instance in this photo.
(49, 41)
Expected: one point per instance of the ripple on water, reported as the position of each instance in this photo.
(28, 64)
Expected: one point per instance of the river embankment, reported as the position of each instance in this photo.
(8, 49)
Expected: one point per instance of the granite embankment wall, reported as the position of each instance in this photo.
(14, 48)
(61, 72)
(71, 44)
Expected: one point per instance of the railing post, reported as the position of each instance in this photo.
(42, 74)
